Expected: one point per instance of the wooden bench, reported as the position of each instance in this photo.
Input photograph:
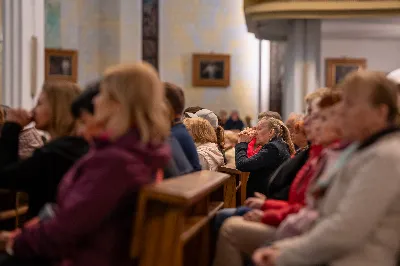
(237, 196)
(13, 207)
(172, 225)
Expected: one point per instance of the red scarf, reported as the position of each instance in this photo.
(252, 149)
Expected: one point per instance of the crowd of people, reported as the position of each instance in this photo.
(323, 188)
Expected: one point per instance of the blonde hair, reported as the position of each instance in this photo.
(200, 130)
(60, 95)
(141, 94)
(231, 136)
(383, 91)
(281, 131)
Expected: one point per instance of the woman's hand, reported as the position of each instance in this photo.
(19, 116)
(254, 216)
(244, 138)
(265, 256)
(254, 202)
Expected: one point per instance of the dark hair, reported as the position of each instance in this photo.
(269, 114)
(193, 109)
(329, 99)
(175, 97)
(84, 102)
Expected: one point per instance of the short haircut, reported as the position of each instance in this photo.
(330, 99)
(175, 97)
(269, 114)
(193, 109)
(84, 102)
(383, 91)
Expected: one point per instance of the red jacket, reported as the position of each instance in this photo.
(277, 210)
(96, 205)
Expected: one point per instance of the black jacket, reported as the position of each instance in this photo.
(234, 125)
(281, 180)
(262, 165)
(40, 174)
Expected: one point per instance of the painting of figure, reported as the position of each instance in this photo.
(211, 70)
(338, 68)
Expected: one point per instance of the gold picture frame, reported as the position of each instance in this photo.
(337, 68)
(211, 70)
(61, 64)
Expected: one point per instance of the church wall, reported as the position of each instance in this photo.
(217, 26)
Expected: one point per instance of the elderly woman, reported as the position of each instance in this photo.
(273, 147)
(359, 220)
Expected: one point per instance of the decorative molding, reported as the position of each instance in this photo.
(257, 12)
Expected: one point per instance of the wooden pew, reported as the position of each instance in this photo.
(172, 225)
(237, 196)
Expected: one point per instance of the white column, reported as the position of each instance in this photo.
(302, 64)
(22, 19)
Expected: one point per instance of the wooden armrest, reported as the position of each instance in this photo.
(5, 215)
(194, 224)
(239, 186)
(186, 189)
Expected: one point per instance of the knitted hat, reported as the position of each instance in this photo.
(207, 115)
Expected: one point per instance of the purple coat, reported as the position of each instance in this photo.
(97, 202)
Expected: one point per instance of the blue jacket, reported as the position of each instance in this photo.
(181, 134)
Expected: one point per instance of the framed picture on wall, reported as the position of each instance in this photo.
(61, 64)
(211, 70)
(338, 68)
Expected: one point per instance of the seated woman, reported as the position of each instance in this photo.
(29, 137)
(40, 174)
(211, 117)
(97, 197)
(275, 147)
(206, 142)
(360, 213)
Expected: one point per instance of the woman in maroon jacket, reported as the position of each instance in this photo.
(97, 197)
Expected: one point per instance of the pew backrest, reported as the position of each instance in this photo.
(174, 212)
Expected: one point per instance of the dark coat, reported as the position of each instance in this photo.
(262, 165)
(96, 205)
(280, 181)
(179, 164)
(40, 174)
(234, 125)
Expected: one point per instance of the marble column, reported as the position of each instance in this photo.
(22, 20)
(302, 64)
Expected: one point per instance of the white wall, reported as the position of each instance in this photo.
(376, 40)
(217, 26)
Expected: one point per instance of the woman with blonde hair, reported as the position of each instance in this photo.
(98, 196)
(39, 174)
(273, 147)
(206, 142)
